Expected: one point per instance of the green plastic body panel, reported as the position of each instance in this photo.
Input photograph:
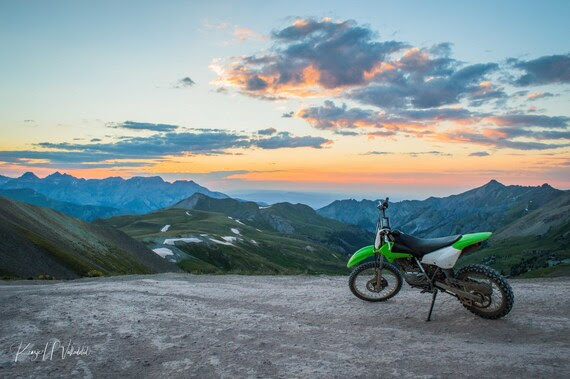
(470, 239)
(368, 251)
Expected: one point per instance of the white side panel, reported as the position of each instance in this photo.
(377, 241)
(444, 257)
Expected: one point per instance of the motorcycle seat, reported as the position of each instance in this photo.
(404, 243)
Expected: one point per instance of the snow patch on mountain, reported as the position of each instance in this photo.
(221, 242)
(170, 241)
(163, 252)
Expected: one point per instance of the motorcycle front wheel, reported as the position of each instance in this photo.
(365, 284)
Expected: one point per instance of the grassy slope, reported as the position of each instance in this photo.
(527, 256)
(40, 241)
(272, 253)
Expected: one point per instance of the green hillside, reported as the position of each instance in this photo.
(39, 242)
(535, 245)
(281, 239)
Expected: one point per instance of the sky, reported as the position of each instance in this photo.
(361, 99)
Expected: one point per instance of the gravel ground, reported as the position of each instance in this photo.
(179, 326)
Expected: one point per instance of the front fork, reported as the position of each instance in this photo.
(379, 266)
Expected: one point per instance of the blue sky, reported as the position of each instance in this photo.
(77, 72)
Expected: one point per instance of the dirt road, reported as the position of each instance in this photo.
(177, 325)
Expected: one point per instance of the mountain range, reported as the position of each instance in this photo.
(185, 224)
(489, 207)
(137, 195)
(83, 212)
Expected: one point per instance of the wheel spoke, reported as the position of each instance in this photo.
(491, 303)
(366, 283)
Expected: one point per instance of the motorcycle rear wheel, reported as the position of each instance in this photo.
(501, 300)
(363, 282)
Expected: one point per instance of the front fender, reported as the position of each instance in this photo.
(368, 251)
(360, 255)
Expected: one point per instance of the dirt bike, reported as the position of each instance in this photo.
(427, 264)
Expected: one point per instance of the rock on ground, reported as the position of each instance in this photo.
(180, 326)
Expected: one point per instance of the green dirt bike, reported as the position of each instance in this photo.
(428, 264)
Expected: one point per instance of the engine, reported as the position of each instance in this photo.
(412, 273)
(414, 276)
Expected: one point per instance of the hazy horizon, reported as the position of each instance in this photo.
(315, 199)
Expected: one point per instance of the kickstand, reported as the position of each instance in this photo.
(432, 303)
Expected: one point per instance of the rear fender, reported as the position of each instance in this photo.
(467, 240)
(368, 251)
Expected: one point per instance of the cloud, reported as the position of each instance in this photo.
(539, 95)
(508, 138)
(416, 154)
(549, 69)
(286, 140)
(159, 145)
(530, 120)
(267, 132)
(509, 128)
(377, 153)
(155, 147)
(309, 57)
(323, 57)
(95, 140)
(399, 89)
(413, 86)
(288, 114)
(346, 133)
(144, 126)
(15, 156)
(185, 82)
(479, 154)
(245, 34)
(65, 160)
(329, 116)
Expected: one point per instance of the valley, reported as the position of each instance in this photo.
(208, 235)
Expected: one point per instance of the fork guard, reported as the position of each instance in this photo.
(368, 251)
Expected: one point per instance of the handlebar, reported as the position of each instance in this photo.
(383, 204)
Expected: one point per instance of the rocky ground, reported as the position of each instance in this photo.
(178, 325)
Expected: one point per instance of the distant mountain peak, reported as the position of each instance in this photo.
(494, 183)
(58, 175)
(147, 179)
(29, 175)
(181, 181)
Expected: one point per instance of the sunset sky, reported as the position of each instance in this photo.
(359, 98)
